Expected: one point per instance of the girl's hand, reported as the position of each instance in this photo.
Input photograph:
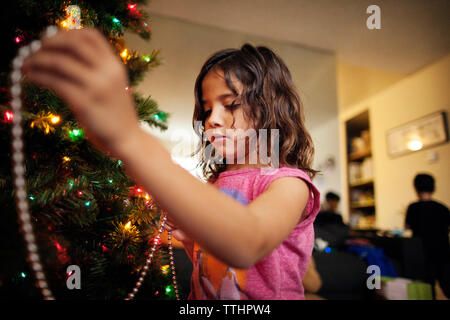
(83, 69)
(177, 233)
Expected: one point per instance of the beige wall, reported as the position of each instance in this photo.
(412, 97)
(184, 48)
(356, 83)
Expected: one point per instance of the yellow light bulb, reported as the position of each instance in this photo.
(128, 225)
(165, 269)
(124, 53)
(66, 159)
(55, 119)
(64, 24)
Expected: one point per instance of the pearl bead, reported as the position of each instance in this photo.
(51, 31)
(18, 157)
(27, 228)
(17, 63)
(21, 194)
(15, 76)
(24, 52)
(17, 131)
(32, 247)
(35, 45)
(16, 103)
(23, 206)
(30, 238)
(17, 118)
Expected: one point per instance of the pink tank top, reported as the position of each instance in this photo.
(278, 275)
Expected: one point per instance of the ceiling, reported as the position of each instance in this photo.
(413, 34)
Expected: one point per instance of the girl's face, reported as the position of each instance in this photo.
(225, 124)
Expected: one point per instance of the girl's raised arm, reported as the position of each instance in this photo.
(81, 67)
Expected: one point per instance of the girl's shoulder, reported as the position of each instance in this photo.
(266, 177)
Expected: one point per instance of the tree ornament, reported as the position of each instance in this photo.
(73, 18)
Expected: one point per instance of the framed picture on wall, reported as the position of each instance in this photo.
(418, 134)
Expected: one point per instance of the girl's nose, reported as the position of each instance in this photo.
(216, 118)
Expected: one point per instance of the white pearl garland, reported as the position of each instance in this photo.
(143, 273)
(24, 216)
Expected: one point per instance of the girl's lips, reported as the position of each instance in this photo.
(218, 138)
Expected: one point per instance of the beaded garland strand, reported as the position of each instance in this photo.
(24, 216)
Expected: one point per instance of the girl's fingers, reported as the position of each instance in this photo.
(85, 45)
(63, 66)
(169, 227)
(180, 235)
(69, 91)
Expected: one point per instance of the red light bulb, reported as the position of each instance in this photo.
(8, 116)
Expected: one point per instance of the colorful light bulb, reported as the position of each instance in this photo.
(8, 116)
(55, 119)
(76, 134)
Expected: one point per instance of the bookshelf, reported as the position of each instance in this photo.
(361, 191)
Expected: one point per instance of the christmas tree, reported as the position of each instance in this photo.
(86, 211)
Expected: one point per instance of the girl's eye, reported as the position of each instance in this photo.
(232, 106)
(206, 113)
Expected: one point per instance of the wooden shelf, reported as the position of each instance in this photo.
(358, 205)
(361, 189)
(359, 155)
(361, 183)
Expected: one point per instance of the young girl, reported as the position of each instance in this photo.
(249, 230)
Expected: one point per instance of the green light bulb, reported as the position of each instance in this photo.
(76, 134)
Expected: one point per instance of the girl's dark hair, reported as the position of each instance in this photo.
(269, 99)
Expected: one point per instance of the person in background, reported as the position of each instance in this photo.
(329, 226)
(329, 214)
(429, 220)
